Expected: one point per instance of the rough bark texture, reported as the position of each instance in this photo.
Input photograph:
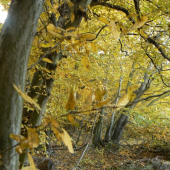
(15, 44)
(97, 138)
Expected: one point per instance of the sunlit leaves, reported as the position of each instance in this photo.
(99, 94)
(72, 120)
(140, 23)
(26, 97)
(47, 60)
(64, 136)
(67, 141)
(101, 104)
(114, 30)
(86, 63)
(87, 36)
(31, 142)
(71, 103)
(103, 20)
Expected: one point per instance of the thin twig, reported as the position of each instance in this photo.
(45, 55)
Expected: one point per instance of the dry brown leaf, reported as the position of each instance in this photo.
(26, 97)
(114, 30)
(71, 103)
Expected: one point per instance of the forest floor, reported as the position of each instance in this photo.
(107, 158)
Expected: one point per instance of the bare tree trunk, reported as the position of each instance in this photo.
(110, 127)
(15, 44)
(97, 138)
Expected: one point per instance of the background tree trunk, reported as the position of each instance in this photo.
(15, 44)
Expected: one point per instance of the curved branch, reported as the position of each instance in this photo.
(119, 8)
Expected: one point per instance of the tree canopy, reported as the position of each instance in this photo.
(79, 58)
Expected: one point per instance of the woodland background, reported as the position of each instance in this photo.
(84, 84)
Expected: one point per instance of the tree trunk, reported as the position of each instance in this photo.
(15, 44)
(97, 138)
(118, 131)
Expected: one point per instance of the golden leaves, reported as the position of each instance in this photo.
(114, 30)
(31, 142)
(87, 36)
(47, 60)
(67, 141)
(60, 133)
(99, 94)
(26, 97)
(140, 23)
(86, 63)
(101, 104)
(89, 99)
(72, 121)
(129, 96)
(93, 47)
(103, 20)
(72, 17)
(71, 103)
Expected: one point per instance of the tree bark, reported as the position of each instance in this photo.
(97, 138)
(15, 44)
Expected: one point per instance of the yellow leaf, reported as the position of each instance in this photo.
(18, 149)
(26, 97)
(49, 120)
(139, 24)
(71, 103)
(54, 34)
(31, 161)
(72, 17)
(67, 141)
(93, 47)
(15, 137)
(103, 19)
(113, 30)
(47, 60)
(123, 101)
(58, 132)
(33, 138)
(100, 104)
(70, 28)
(86, 63)
(143, 34)
(89, 99)
(71, 34)
(51, 27)
(45, 45)
(87, 36)
(99, 94)
(71, 120)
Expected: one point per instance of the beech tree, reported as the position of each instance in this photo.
(75, 32)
